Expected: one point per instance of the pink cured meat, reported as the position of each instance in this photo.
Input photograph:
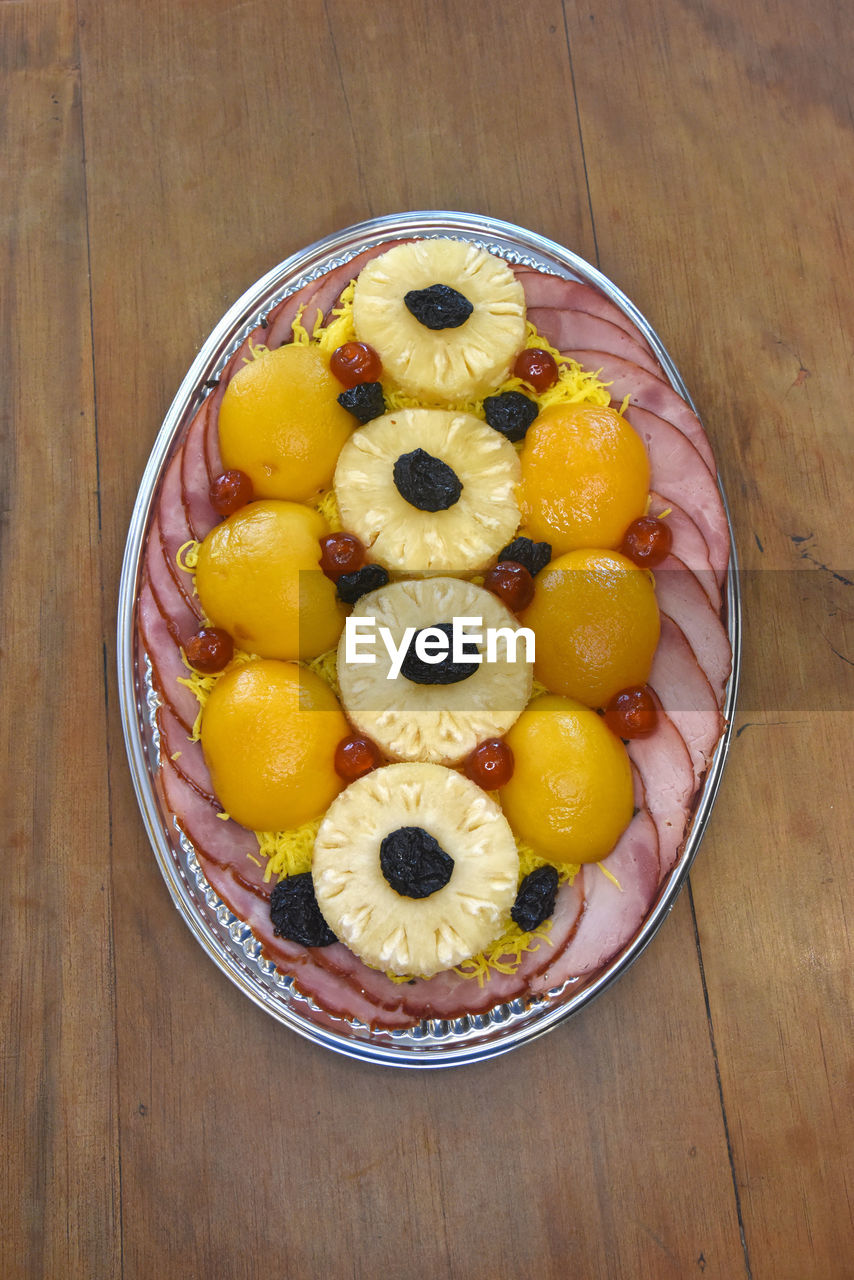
(213, 458)
(646, 391)
(182, 581)
(195, 482)
(549, 292)
(611, 915)
(683, 599)
(185, 755)
(689, 545)
(679, 474)
(181, 614)
(686, 695)
(664, 764)
(165, 658)
(171, 513)
(578, 330)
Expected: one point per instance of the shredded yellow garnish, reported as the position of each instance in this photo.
(505, 955)
(327, 504)
(341, 329)
(257, 351)
(325, 665)
(301, 336)
(609, 875)
(187, 555)
(288, 853)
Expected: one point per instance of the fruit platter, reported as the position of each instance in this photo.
(428, 639)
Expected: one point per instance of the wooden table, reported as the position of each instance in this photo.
(158, 158)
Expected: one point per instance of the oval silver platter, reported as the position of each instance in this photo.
(229, 942)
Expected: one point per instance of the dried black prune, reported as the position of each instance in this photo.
(296, 915)
(511, 413)
(533, 555)
(426, 482)
(352, 586)
(365, 401)
(438, 306)
(414, 863)
(445, 672)
(535, 901)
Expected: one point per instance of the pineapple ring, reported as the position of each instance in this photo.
(446, 364)
(388, 930)
(440, 723)
(464, 537)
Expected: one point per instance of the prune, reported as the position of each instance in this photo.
(535, 901)
(296, 915)
(414, 863)
(533, 555)
(445, 672)
(438, 306)
(426, 482)
(364, 401)
(510, 413)
(352, 586)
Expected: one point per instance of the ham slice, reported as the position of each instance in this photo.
(165, 657)
(665, 768)
(645, 391)
(195, 482)
(686, 695)
(213, 458)
(578, 330)
(185, 755)
(683, 599)
(549, 292)
(182, 581)
(181, 611)
(689, 545)
(172, 518)
(611, 915)
(680, 475)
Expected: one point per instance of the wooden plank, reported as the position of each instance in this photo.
(60, 1167)
(731, 132)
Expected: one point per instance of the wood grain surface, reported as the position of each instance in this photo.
(155, 159)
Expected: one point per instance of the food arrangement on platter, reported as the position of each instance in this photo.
(430, 457)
